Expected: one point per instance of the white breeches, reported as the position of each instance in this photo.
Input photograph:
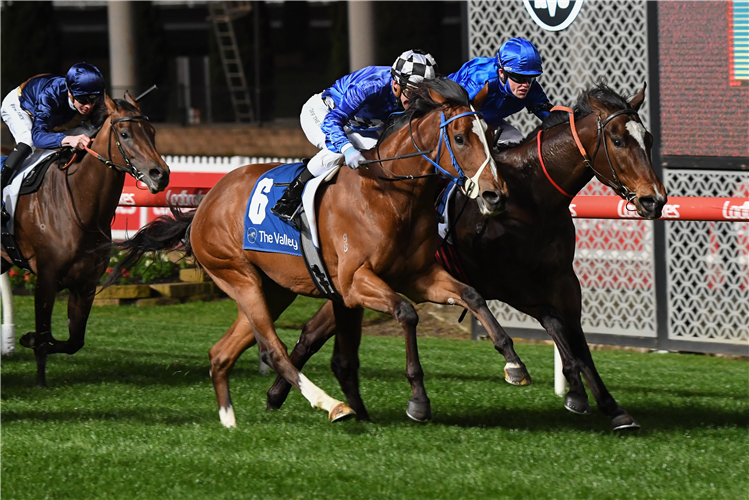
(510, 135)
(311, 118)
(17, 120)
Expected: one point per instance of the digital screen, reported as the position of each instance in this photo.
(704, 93)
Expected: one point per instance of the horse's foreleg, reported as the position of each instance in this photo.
(44, 301)
(315, 333)
(345, 361)
(368, 290)
(576, 399)
(223, 356)
(573, 345)
(439, 287)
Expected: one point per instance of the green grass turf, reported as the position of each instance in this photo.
(133, 415)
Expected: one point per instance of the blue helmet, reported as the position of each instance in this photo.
(84, 79)
(519, 56)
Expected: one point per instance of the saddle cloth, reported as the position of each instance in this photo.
(263, 231)
(13, 189)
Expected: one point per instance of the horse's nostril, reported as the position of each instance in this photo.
(490, 197)
(155, 173)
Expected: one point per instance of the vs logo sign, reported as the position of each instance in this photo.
(553, 15)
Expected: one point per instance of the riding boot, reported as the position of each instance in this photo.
(12, 162)
(286, 207)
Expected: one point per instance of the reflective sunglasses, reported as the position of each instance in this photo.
(87, 99)
(521, 79)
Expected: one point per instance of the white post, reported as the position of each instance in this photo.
(122, 57)
(8, 337)
(560, 383)
(361, 34)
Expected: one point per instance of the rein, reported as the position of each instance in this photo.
(620, 188)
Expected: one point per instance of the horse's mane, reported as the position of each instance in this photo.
(100, 113)
(600, 92)
(422, 102)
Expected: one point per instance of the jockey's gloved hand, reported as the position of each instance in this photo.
(353, 158)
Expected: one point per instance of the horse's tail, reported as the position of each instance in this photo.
(163, 234)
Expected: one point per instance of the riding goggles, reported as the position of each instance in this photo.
(521, 79)
(87, 99)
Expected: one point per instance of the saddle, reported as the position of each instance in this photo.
(31, 175)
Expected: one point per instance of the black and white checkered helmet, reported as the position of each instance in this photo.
(414, 66)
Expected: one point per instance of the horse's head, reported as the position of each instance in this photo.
(130, 145)
(621, 158)
(442, 120)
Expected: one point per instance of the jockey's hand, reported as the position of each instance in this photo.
(77, 141)
(353, 158)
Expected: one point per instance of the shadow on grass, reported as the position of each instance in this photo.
(652, 419)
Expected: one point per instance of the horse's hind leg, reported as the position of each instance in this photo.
(315, 333)
(247, 290)
(223, 356)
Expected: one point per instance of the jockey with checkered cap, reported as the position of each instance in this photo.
(348, 117)
(507, 84)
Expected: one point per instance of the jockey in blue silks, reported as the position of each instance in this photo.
(510, 78)
(40, 108)
(349, 116)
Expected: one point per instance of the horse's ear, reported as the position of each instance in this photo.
(436, 96)
(130, 99)
(111, 105)
(639, 98)
(478, 100)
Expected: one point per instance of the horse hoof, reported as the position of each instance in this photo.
(341, 412)
(624, 422)
(29, 340)
(516, 374)
(419, 411)
(577, 404)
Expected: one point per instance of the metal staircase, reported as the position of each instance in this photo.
(222, 15)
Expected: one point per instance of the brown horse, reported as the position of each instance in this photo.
(524, 257)
(377, 238)
(63, 229)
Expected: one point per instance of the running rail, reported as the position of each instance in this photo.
(584, 207)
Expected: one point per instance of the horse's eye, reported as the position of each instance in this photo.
(123, 134)
(618, 143)
(459, 139)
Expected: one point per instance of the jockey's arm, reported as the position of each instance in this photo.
(338, 117)
(42, 137)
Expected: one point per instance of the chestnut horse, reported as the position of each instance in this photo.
(377, 238)
(63, 229)
(524, 257)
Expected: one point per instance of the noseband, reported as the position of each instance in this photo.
(619, 187)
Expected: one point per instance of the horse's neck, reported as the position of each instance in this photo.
(95, 188)
(561, 164)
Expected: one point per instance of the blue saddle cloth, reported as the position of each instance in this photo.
(263, 231)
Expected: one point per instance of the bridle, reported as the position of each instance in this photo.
(616, 184)
(128, 168)
(468, 185)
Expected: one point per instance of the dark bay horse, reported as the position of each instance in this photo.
(377, 239)
(524, 256)
(63, 229)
